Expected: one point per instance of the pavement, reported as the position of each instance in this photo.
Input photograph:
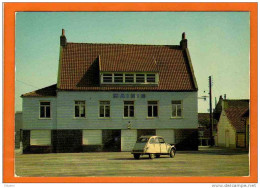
(205, 162)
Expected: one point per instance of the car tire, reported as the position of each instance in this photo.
(157, 156)
(172, 153)
(136, 156)
(151, 156)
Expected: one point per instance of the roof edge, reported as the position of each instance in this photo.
(191, 69)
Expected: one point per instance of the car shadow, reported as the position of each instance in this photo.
(130, 159)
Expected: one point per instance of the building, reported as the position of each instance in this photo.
(233, 124)
(107, 95)
(18, 128)
(204, 129)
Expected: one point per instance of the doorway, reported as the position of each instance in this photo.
(111, 140)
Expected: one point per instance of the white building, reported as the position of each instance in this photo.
(107, 95)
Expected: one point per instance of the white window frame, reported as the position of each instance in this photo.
(44, 110)
(105, 105)
(152, 109)
(128, 109)
(176, 109)
(134, 75)
(80, 105)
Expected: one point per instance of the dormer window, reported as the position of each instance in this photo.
(140, 78)
(118, 78)
(129, 78)
(150, 78)
(107, 78)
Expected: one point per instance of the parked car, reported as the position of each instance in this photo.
(153, 146)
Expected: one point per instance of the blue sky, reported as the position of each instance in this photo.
(219, 44)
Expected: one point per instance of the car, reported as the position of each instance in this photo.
(153, 146)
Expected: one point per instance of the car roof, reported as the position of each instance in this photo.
(149, 136)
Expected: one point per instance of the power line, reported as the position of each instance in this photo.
(27, 84)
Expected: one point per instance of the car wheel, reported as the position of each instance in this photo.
(172, 153)
(151, 156)
(157, 156)
(136, 156)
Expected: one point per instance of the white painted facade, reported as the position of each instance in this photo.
(63, 115)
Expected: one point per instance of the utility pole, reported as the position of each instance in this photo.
(210, 112)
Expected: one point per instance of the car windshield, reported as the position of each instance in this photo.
(142, 140)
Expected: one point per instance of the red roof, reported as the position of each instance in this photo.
(235, 116)
(81, 62)
(44, 92)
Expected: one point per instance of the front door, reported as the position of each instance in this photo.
(227, 139)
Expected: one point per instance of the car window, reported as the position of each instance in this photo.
(161, 140)
(156, 140)
(142, 140)
(152, 141)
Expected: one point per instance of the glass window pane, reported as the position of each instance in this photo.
(45, 103)
(107, 111)
(48, 111)
(149, 111)
(173, 110)
(155, 111)
(118, 78)
(128, 102)
(82, 111)
(129, 78)
(42, 113)
(140, 78)
(176, 102)
(125, 111)
(101, 111)
(150, 77)
(104, 102)
(179, 111)
(76, 111)
(152, 102)
(131, 111)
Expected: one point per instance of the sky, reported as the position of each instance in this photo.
(219, 45)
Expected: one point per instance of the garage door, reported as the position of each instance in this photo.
(92, 137)
(168, 135)
(128, 139)
(40, 137)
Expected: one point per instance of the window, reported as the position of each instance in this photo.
(104, 109)
(118, 78)
(161, 140)
(152, 109)
(129, 78)
(107, 78)
(140, 78)
(45, 110)
(128, 108)
(150, 78)
(176, 109)
(80, 109)
(152, 141)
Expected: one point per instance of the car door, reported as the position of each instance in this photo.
(163, 145)
(157, 146)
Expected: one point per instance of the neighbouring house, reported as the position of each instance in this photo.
(233, 124)
(108, 95)
(204, 129)
(18, 128)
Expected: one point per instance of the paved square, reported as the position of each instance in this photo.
(205, 162)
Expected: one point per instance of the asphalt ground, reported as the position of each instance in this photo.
(205, 162)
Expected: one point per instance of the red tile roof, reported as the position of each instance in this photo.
(235, 116)
(44, 92)
(79, 66)
(124, 61)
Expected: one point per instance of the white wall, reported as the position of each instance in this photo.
(66, 120)
(223, 126)
(31, 113)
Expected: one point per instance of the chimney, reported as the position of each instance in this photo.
(184, 42)
(63, 40)
(225, 96)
